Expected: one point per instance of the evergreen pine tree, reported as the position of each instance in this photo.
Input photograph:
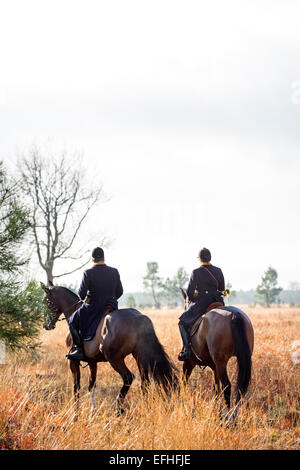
(20, 308)
(268, 291)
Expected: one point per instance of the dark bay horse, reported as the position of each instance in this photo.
(221, 335)
(120, 333)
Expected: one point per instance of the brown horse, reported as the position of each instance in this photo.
(221, 335)
(120, 333)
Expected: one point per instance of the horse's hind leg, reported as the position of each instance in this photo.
(220, 373)
(127, 376)
(92, 385)
(145, 381)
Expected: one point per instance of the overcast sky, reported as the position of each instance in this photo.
(188, 112)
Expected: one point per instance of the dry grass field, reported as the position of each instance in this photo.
(36, 402)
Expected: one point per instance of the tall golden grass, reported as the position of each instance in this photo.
(37, 409)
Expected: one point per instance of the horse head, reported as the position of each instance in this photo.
(185, 297)
(53, 309)
(58, 300)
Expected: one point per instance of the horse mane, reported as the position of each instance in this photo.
(70, 292)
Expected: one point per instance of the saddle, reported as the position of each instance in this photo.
(197, 323)
(108, 309)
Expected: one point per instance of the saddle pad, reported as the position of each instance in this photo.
(196, 325)
(108, 309)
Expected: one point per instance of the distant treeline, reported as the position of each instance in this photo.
(240, 297)
(249, 297)
(161, 292)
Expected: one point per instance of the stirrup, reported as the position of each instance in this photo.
(76, 355)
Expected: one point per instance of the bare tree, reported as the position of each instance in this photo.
(60, 202)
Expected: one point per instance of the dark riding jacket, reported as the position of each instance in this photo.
(101, 286)
(205, 287)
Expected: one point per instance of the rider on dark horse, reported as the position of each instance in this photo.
(206, 286)
(100, 287)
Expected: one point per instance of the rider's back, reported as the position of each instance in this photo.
(101, 282)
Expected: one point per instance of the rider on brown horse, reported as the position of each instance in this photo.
(100, 287)
(206, 286)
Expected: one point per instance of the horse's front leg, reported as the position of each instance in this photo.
(92, 385)
(187, 368)
(75, 369)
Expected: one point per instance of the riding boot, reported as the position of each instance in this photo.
(77, 345)
(186, 350)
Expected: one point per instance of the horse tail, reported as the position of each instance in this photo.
(242, 352)
(152, 358)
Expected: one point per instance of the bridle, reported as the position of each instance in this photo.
(53, 310)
